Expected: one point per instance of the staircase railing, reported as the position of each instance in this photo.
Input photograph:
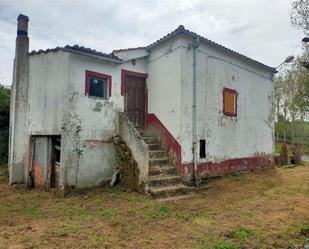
(138, 146)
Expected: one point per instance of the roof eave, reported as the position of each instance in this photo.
(127, 49)
(116, 61)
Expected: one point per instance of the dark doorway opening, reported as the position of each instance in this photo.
(44, 166)
(55, 161)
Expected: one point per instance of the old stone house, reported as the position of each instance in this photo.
(187, 108)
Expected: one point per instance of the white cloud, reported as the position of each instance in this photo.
(257, 28)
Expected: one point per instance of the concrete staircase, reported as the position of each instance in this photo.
(164, 182)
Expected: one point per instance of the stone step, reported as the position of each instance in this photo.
(163, 180)
(162, 170)
(157, 161)
(177, 197)
(157, 153)
(167, 191)
(144, 133)
(153, 146)
(149, 139)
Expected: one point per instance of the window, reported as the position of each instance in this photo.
(230, 102)
(202, 148)
(98, 85)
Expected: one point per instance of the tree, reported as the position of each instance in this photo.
(301, 98)
(299, 15)
(292, 103)
(4, 123)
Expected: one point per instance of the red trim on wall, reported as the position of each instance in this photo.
(146, 106)
(168, 140)
(125, 73)
(98, 75)
(229, 90)
(211, 169)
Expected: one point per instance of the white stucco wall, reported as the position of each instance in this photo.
(48, 91)
(98, 119)
(248, 134)
(129, 54)
(164, 88)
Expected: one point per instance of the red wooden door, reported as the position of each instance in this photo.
(135, 100)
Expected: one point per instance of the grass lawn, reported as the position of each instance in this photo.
(268, 209)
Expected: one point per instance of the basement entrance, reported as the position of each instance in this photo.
(135, 100)
(44, 168)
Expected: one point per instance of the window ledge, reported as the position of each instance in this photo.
(97, 98)
(230, 114)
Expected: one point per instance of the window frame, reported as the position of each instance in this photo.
(89, 74)
(233, 91)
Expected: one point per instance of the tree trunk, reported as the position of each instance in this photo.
(293, 129)
(302, 131)
(284, 126)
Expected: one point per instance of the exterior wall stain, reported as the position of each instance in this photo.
(93, 143)
(212, 169)
(38, 175)
(98, 107)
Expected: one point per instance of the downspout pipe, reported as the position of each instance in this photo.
(194, 136)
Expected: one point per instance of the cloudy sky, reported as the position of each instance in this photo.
(259, 29)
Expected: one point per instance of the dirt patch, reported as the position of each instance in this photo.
(267, 209)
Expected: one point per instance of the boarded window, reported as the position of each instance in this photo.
(98, 85)
(229, 102)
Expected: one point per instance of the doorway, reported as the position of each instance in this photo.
(135, 100)
(44, 168)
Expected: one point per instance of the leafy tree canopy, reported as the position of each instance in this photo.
(300, 15)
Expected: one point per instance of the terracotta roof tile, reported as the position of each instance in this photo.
(77, 49)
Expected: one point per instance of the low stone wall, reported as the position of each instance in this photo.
(289, 155)
(138, 147)
(126, 166)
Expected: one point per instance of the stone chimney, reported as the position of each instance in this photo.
(22, 25)
(22, 44)
(19, 140)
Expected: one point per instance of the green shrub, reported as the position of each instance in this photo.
(4, 170)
